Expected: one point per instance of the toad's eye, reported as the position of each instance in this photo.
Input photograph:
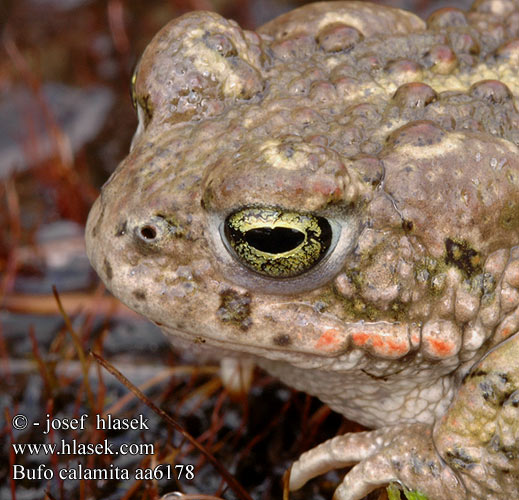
(277, 243)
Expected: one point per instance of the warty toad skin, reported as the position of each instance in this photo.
(336, 197)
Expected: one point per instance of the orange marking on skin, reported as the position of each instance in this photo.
(442, 347)
(337, 193)
(505, 333)
(377, 341)
(382, 344)
(327, 188)
(328, 340)
(360, 338)
(397, 347)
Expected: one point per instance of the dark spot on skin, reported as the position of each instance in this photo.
(235, 308)
(282, 340)
(199, 340)
(397, 464)
(370, 168)
(407, 225)
(497, 446)
(462, 256)
(433, 468)
(108, 270)
(139, 295)
(506, 397)
(477, 373)
(158, 324)
(320, 306)
(121, 229)
(459, 459)
(513, 399)
(487, 391)
(289, 152)
(493, 393)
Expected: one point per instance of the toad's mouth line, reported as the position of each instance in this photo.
(436, 340)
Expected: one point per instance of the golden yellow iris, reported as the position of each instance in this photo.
(277, 243)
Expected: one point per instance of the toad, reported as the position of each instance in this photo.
(335, 197)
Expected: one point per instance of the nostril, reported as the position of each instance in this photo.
(149, 232)
(152, 233)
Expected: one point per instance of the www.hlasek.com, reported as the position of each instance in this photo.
(74, 448)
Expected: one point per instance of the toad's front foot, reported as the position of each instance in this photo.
(471, 453)
(403, 453)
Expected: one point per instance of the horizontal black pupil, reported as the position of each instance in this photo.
(274, 240)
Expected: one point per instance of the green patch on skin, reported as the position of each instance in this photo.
(235, 308)
(399, 310)
(356, 278)
(175, 227)
(437, 283)
(509, 217)
(432, 272)
(358, 308)
(145, 103)
(393, 493)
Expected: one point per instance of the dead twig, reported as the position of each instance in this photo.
(229, 479)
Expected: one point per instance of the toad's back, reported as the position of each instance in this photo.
(336, 196)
